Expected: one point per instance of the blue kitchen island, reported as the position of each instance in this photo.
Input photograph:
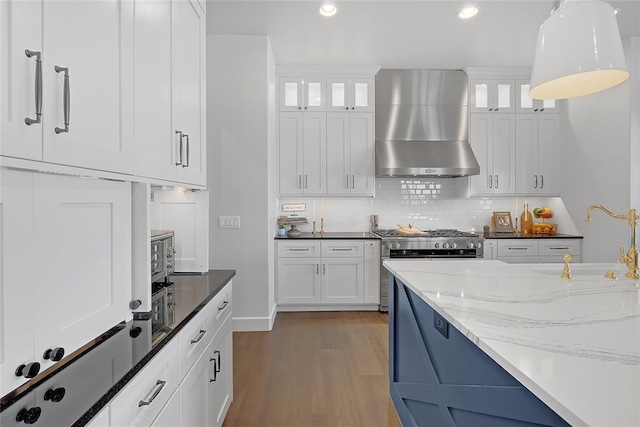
(485, 343)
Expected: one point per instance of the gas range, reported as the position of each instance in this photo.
(447, 243)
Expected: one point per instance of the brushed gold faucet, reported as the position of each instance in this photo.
(631, 258)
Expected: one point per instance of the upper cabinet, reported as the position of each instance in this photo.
(169, 91)
(492, 95)
(526, 104)
(126, 97)
(350, 94)
(303, 94)
(65, 97)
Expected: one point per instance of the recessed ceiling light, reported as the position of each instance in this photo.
(328, 9)
(468, 12)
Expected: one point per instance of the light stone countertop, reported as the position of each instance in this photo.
(574, 344)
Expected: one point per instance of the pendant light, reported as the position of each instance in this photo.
(578, 52)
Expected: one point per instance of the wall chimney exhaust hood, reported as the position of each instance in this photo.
(422, 124)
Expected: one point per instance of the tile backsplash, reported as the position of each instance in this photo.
(427, 203)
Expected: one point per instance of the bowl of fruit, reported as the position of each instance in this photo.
(543, 227)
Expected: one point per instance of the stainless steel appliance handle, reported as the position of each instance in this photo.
(201, 335)
(186, 165)
(160, 383)
(38, 87)
(179, 132)
(66, 99)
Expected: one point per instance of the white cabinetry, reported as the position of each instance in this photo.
(186, 213)
(538, 144)
(532, 250)
(526, 104)
(350, 159)
(350, 94)
(303, 94)
(169, 416)
(169, 91)
(50, 225)
(92, 127)
(329, 275)
(491, 95)
(303, 153)
(492, 138)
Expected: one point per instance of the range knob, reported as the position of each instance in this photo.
(437, 245)
(396, 245)
(470, 245)
(389, 245)
(454, 245)
(445, 245)
(478, 245)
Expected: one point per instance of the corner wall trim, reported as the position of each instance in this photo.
(255, 324)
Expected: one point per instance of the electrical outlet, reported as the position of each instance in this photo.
(228, 222)
(441, 325)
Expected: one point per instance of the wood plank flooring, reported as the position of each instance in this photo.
(313, 369)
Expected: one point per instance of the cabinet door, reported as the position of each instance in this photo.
(186, 213)
(290, 94)
(350, 94)
(314, 162)
(481, 140)
(528, 179)
(82, 259)
(338, 153)
(291, 153)
(504, 154)
(302, 94)
(555, 249)
(194, 393)
(20, 29)
(299, 280)
(549, 154)
(188, 50)
(362, 154)
(170, 414)
(98, 67)
(16, 276)
(490, 249)
(490, 95)
(343, 280)
(315, 98)
(372, 272)
(221, 375)
(155, 139)
(526, 104)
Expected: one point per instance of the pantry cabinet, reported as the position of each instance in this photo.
(487, 95)
(493, 140)
(330, 275)
(51, 225)
(354, 94)
(80, 85)
(350, 159)
(303, 153)
(303, 93)
(539, 154)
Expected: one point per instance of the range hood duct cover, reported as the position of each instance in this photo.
(422, 124)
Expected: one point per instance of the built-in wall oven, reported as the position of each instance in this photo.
(426, 244)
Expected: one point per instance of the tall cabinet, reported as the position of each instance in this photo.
(326, 131)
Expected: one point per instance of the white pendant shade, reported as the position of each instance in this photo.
(579, 52)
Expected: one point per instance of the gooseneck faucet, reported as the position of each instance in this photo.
(631, 258)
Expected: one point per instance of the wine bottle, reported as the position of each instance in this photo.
(526, 220)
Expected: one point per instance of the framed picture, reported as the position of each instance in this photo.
(502, 222)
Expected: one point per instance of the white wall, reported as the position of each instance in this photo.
(632, 49)
(598, 159)
(241, 178)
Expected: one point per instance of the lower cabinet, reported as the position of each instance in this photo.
(190, 381)
(333, 274)
(532, 250)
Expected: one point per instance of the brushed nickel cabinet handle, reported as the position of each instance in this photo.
(38, 87)
(66, 99)
(496, 181)
(201, 335)
(541, 181)
(306, 181)
(223, 305)
(347, 179)
(490, 181)
(353, 181)
(160, 383)
(536, 184)
(186, 165)
(179, 133)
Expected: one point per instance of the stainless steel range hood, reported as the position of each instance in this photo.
(422, 124)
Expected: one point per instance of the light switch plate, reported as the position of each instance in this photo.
(228, 222)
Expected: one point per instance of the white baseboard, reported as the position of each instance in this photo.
(326, 307)
(255, 324)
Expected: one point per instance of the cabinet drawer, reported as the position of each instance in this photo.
(517, 248)
(144, 397)
(343, 249)
(299, 249)
(219, 309)
(559, 247)
(193, 339)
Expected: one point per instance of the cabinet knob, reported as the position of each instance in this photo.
(346, 108)
(55, 354)
(28, 416)
(495, 109)
(135, 332)
(55, 395)
(29, 370)
(299, 108)
(135, 304)
(353, 108)
(490, 109)
(542, 109)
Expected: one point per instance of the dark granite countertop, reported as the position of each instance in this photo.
(331, 236)
(126, 348)
(532, 236)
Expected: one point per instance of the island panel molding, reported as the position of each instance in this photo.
(438, 380)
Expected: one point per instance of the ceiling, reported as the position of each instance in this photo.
(397, 33)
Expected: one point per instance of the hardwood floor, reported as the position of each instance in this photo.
(313, 369)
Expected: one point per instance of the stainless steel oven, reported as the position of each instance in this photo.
(162, 254)
(427, 244)
(163, 305)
